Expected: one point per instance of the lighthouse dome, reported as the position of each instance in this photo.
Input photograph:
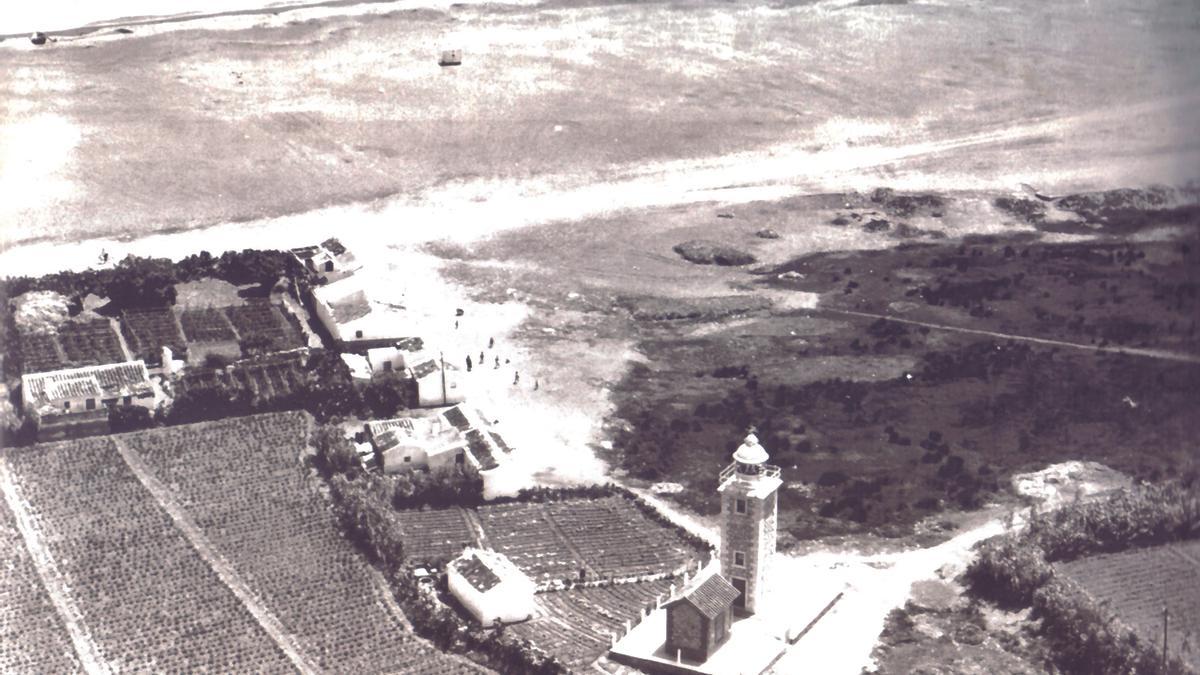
(750, 452)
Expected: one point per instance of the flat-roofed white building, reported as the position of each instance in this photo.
(437, 383)
(491, 587)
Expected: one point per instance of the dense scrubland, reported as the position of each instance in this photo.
(902, 394)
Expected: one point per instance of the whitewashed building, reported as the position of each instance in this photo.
(330, 260)
(426, 442)
(490, 587)
(437, 383)
(77, 390)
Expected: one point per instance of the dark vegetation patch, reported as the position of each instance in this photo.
(1108, 294)
(704, 252)
(881, 449)
(653, 308)
(905, 205)
(1031, 211)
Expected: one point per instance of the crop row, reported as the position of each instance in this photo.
(1137, 585)
(577, 623)
(147, 599)
(265, 321)
(616, 538)
(77, 343)
(435, 533)
(207, 324)
(613, 537)
(242, 481)
(524, 533)
(147, 331)
(32, 636)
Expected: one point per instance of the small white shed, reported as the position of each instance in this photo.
(490, 587)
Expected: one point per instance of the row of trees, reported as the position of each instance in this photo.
(1015, 571)
(150, 282)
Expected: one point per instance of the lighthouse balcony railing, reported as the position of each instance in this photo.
(731, 471)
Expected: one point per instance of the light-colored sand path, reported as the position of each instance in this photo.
(225, 571)
(1134, 351)
(56, 587)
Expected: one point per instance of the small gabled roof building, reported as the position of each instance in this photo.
(72, 390)
(698, 621)
(330, 259)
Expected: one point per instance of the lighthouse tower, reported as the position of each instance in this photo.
(749, 516)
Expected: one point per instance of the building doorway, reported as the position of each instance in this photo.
(740, 586)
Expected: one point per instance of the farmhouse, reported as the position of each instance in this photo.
(330, 260)
(490, 587)
(698, 621)
(427, 442)
(74, 390)
(434, 438)
(350, 316)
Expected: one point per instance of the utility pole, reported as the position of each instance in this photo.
(1166, 622)
(442, 357)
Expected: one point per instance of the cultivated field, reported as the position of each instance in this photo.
(76, 343)
(208, 324)
(602, 537)
(265, 322)
(576, 624)
(1138, 584)
(200, 547)
(242, 481)
(148, 331)
(147, 599)
(435, 534)
(33, 638)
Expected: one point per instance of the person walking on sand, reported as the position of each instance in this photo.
(497, 361)
(491, 342)
(516, 378)
(481, 358)
(468, 363)
(535, 385)
(456, 324)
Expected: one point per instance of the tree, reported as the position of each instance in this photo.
(123, 418)
(142, 282)
(388, 393)
(334, 453)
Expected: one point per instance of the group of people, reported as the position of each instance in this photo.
(482, 358)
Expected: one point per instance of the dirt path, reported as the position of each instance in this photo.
(269, 622)
(56, 587)
(874, 585)
(1134, 351)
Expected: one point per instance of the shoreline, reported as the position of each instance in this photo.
(276, 9)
